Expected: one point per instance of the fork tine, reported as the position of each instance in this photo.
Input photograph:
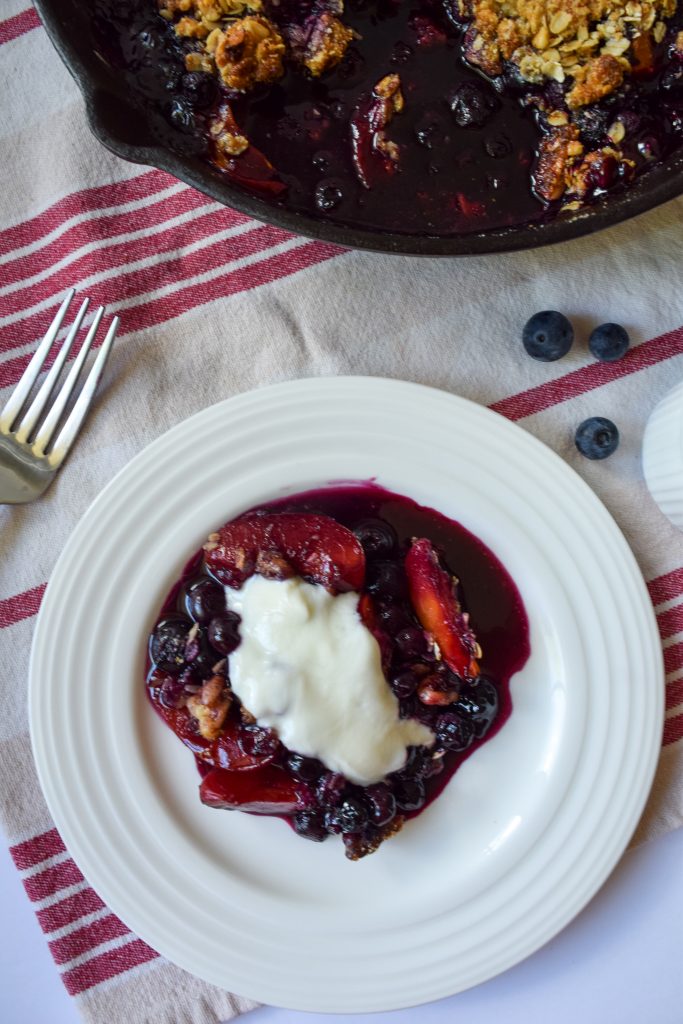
(50, 422)
(33, 414)
(21, 392)
(74, 422)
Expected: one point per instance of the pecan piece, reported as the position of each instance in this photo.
(248, 52)
(210, 707)
(327, 43)
(556, 153)
(600, 76)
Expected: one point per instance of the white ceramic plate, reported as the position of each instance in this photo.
(523, 835)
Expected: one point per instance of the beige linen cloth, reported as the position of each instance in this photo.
(213, 304)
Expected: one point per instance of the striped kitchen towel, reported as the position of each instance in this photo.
(213, 303)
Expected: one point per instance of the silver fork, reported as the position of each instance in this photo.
(26, 466)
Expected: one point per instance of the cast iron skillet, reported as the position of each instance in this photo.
(125, 128)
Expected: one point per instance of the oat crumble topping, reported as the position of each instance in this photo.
(589, 47)
(595, 43)
(247, 48)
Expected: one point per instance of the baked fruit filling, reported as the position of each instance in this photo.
(421, 117)
(318, 659)
(565, 59)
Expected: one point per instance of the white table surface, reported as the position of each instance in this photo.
(619, 962)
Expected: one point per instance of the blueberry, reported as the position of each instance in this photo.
(593, 123)
(182, 115)
(148, 40)
(453, 731)
(376, 537)
(200, 89)
(386, 580)
(258, 742)
(328, 195)
(597, 437)
(672, 80)
(649, 147)
(308, 769)
(404, 684)
(223, 632)
(674, 114)
(471, 106)
(603, 172)
(443, 679)
(351, 815)
(420, 764)
(205, 599)
(322, 161)
(433, 763)
(330, 789)
(479, 704)
(402, 53)
(497, 146)
(409, 793)
(332, 821)
(172, 693)
(411, 642)
(310, 825)
(429, 130)
(609, 342)
(170, 73)
(199, 655)
(547, 336)
(393, 618)
(381, 803)
(167, 644)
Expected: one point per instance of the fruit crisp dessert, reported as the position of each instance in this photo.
(419, 116)
(318, 658)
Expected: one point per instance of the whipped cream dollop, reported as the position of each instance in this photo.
(309, 668)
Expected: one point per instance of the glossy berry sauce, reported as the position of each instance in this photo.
(467, 145)
(385, 523)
